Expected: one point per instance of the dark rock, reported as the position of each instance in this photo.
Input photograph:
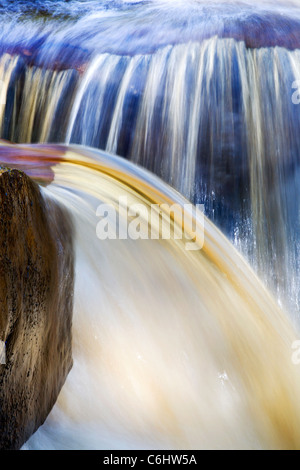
(268, 29)
(36, 303)
(49, 55)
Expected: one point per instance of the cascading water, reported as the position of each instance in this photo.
(202, 96)
(172, 348)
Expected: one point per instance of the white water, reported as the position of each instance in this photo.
(172, 348)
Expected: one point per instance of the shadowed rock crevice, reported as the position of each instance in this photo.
(36, 303)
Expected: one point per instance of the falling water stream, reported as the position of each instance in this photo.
(168, 102)
(199, 94)
(173, 348)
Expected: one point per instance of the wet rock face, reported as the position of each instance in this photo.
(36, 303)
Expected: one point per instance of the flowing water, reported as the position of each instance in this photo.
(201, 95)
(173, 348)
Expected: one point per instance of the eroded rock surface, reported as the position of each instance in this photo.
(36, 303)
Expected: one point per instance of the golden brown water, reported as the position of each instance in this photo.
(172, 348)
(214, 118)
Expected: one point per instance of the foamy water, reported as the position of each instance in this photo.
(172, 348)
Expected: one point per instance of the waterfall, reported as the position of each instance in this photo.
(172, 348)
(170, 101)
(214, 119)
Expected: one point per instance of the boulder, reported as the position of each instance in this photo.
(36, 304)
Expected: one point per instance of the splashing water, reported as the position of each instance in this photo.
(172, 348)
(200, 95)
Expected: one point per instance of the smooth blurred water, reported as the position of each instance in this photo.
(172, 348)
(182, 90)
(201, 95)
